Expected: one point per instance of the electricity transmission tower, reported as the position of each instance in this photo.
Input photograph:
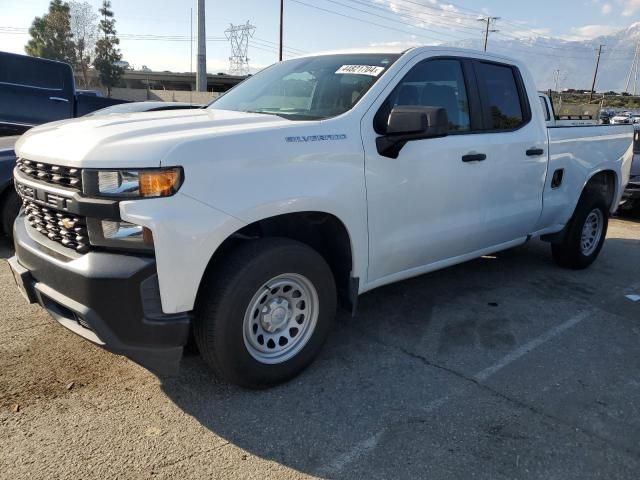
(634, 67)
(238, 36)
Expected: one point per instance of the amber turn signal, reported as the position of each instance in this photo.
(159, 183)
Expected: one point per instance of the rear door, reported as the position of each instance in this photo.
(514, 139)
(34, 91)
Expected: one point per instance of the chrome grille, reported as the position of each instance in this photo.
(67, 229)
(53, 174)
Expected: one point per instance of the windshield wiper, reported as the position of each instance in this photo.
(266, 113)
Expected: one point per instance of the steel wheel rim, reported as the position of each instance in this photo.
(281, 318)
(592, 232)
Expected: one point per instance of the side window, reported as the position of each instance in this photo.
(545, 109)
(433, 83)
(30, 72)
(502, 96)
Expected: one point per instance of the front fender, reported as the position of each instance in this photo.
(186, 233)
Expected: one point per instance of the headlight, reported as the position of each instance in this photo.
(119, 234)
(132, 184)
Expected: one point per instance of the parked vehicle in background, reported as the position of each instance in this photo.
(312, 182)
(150, 106)
(605, 117)
(34, 91)
(90, 93)
(622, 119)
(635, 118)
(10, 202)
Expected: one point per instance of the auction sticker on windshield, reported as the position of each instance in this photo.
(371, 70)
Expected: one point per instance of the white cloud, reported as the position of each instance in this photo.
(531, 33)
(588, 32)
(606, 9)
(630, 7)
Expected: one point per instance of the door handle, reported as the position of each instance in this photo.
(535, 152)
(59, 99)
(474, 157)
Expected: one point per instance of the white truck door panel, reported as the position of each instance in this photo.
(431, 203)
(517, 156)
(423, 206)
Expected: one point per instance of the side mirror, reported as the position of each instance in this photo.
(407, 123)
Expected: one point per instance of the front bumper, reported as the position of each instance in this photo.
(111, 299)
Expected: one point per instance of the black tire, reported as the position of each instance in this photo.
(225, 295)
(10, 208)
(569, 253)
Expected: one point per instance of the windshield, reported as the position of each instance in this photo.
(312, 88)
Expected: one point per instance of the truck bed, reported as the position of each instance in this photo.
(579, 151)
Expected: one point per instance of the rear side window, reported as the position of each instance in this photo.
(434, 83)
(30, 72)
(503, 100)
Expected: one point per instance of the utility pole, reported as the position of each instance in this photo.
(281, 27)
(488, 30)
(595, 74)
(201, 76)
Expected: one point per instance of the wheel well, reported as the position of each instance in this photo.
(605, 183)
(323, 232)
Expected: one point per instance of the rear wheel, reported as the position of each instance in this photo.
(586, 233)
(264, 312)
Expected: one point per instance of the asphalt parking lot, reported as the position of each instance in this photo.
(505, 367)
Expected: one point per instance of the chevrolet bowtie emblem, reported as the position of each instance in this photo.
(68, 223)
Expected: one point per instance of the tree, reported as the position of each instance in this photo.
(107, 53)
(85, 32)
(51, 34)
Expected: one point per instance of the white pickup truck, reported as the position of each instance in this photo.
(312, 182)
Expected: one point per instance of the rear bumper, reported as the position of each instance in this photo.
(111, 299)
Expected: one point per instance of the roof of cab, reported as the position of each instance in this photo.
(402, 49)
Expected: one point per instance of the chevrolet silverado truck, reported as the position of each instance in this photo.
(320, 178)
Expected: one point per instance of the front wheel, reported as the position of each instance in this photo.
(586, 233)
(264, 312)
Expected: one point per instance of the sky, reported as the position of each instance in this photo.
(156, 33)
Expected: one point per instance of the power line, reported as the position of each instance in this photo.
(363, 20)
(412, 16)
(392, 19)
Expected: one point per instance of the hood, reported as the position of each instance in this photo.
(134, 139)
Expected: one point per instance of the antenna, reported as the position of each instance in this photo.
(238, 36)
